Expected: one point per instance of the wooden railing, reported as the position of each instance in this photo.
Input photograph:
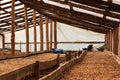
(21, 55)
(33, 71)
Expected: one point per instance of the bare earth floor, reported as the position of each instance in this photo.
(95, 66)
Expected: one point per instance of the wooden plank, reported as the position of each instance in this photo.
(35, 31)
(19, 74)
(51, 34)
(72, 42)
(26, 29)
(55, 34)
(41, 33)
(48, 64)
(47, 34)
(57, 74)
(13, 27)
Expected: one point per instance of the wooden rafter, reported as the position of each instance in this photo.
(77, 15)
(79, 19)
(100, 4)
(52, 13)
(88, 8)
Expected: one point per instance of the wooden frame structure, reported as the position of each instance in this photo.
(107, 24)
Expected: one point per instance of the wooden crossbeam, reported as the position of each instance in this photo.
(84, 16)
(17, 22)
(88, 8)
(20, 27)
(100, 4)
(99, 8)
(8, 7)
(5, 11)
(41, 10)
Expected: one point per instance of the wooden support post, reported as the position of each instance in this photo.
(79, 53)
(47, 35)
(67, 57)
(116, 40)
(106, 41)
(13, 27)
(55, 34)
(58, 60)
(26, 29)
(51, 35)
(41, 33)
(35, 35)
(111, 40)
(3, 41)
(70, 55)
(20, 46)
(37, 70)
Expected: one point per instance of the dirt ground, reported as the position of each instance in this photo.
(95, 66)
(13, 64)
(8, 52)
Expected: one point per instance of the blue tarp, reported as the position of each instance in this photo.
(54, 50)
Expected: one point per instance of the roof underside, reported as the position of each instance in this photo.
(96, 15)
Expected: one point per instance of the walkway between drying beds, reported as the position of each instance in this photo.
(95, 66)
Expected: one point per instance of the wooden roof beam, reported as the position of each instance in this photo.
(20, 21)
(88, 8)
(100, 4)
(67, 21)
(5, 11)
(55, 8)
(8, 7)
